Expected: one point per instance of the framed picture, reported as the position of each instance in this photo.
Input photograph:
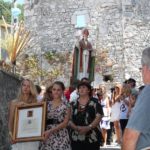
(29, 123)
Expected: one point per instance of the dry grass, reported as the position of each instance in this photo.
(15, 41)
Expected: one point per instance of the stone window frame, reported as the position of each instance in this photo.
(82, 23)
(79, 13)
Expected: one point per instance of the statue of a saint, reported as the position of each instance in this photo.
(83, 59)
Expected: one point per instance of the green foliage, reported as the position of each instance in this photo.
(32, 62)
(21, 16)
(56, 72)
(57, 66)
(49, 56)
(5, 10)
(33, 68)
(58, 60)
(57, 57)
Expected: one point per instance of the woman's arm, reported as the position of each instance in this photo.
(85, 129)
(108, 106)
(118, 98)
(58, 127)
(98, 115)
(94, 124)
(126, 101)
(112, 98)
(63, 124)
(96, 121)
(73, 126)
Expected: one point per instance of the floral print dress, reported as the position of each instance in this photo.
(59, 140)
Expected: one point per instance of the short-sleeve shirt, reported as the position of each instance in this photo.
(85, 118)
(74, 96)
(124, 109)
(140, 118)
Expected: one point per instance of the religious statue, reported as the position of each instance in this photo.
(83, 59)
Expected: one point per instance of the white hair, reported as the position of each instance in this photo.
(146, 57)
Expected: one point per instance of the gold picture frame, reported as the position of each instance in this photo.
(29, 122)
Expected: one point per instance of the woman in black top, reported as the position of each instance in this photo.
(86, 115)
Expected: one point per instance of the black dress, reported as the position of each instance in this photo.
(84, 117)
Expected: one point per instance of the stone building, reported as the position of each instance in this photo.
(119, 26)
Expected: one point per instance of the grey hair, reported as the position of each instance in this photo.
(146, 57)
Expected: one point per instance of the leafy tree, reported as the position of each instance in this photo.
(5, 10)
(21, 16)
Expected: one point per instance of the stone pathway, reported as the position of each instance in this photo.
(111, 147)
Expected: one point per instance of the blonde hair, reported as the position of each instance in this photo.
(126, 91)
(117, 95)
(33, 92)
(119, 86)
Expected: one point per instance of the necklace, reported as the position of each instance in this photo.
(82, 107)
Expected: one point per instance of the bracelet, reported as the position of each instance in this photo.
(90, 126)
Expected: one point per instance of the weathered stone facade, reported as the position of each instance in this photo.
(8, 89)
(119, 26)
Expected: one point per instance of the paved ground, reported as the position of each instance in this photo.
(110, 147)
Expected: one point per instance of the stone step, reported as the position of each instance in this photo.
(110, 147)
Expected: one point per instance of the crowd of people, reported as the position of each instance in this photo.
(117, 104)
(87, 118)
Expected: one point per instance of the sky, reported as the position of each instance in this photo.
(18, 1)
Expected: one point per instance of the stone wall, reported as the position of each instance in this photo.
(136, 34)
(8, 88)
(120, 26)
